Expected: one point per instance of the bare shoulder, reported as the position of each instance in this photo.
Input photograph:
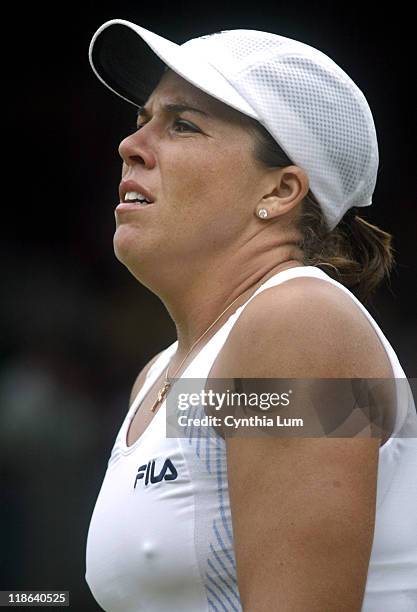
(303, 327)
(140, 379)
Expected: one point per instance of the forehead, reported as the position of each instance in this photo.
(173, 88)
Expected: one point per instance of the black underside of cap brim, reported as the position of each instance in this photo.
(126, 63)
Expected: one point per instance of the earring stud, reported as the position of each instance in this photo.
(262, 213)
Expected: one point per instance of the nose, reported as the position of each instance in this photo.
(134, 149)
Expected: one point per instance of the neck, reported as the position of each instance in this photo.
(199, 303)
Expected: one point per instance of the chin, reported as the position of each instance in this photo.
(125, 245)
(129, 250)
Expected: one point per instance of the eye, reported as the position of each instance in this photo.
(180, 126)
(185, 126)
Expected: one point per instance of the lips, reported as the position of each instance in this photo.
(130, 185)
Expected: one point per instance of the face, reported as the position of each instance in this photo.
(198, 165)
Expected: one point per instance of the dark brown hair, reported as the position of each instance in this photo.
(356, 253)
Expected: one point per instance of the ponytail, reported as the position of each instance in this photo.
(356, 253)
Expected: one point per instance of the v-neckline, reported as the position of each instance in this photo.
(138, 401)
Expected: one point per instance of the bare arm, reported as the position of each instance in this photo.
(303, 519)
(303, 509)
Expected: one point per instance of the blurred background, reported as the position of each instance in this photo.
(76, 328)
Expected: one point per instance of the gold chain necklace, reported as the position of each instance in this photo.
(163, 391)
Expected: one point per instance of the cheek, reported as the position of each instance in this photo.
(187, 179)
(213, 180)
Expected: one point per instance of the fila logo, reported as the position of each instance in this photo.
(147, 471)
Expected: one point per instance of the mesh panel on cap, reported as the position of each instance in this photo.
(312, 108)
(320, 125)
(232, 49)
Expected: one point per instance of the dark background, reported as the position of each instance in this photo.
(76, 327)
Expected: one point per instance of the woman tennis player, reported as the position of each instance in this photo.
(239, 200)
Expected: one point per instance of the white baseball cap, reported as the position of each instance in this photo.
(310, 106)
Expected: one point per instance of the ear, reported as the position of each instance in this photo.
(287, 187)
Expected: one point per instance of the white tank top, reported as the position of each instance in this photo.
(160, 537)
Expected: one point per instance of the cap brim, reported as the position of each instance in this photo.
(130, 61)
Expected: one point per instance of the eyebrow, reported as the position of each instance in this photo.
(171, 108)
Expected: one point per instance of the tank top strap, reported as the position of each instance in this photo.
(200, 366)
(203, 360)
(313, 271)
(286, 275)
